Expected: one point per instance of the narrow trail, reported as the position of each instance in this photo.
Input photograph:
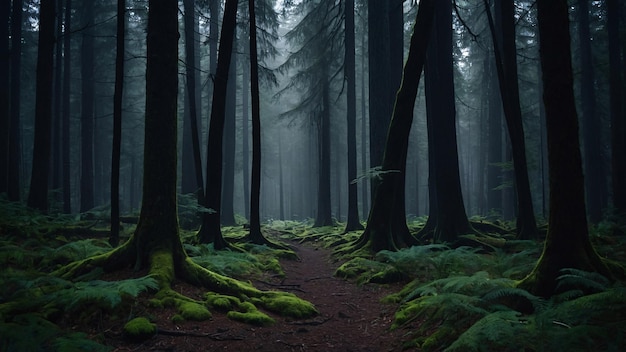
(352, 318)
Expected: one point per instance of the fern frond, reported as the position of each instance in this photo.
(477, 284)
(585, 280)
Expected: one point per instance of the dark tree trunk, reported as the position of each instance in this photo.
(379, 85)
(593, 165)
(255, 234)
(245, 148)
(15, 150)
(65, 125)
(230, 137)
(506, 66)
(379, 233)
(451, 219)
(365, 194)
(494, 196)
(38, 196)
(324, 211)
(5, 11)
(118, 94)
(353, 223)
(567, 242)
(211, 232)
(56, 163)
(87, 109)
(192, 163)
(618, 126)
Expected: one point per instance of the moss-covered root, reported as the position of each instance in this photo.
(197, 275)
(139, 329)
(115, 259)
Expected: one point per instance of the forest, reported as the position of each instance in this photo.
(313, 175)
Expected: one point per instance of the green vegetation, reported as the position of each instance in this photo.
(454, 299)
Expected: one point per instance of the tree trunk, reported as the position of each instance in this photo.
(5, 11)
(245, 148)
(65, 125)
(114, 238)
(192, 163)
(618, 126)
(379, 232)
(38, 196)
(592, 146)
(494, 172)
(451, 219)
(353, 223)
(324, 214)
(567, 242)
(14, 161)
(56, 163)
(211, 232)
(255, 234)
(506, 66)
(230, 137)
(87, 109)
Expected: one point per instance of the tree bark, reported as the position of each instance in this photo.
(38, 196)
(379, 232)
(14, 161)
(118, 95)
(567, 242)
(87, 109)
(353, 223)
(65, 125)
(230, 137)
(5, 11)
(506, 66)
(618, 126)
(211, 232)
(194, 163)
(451, 219)
(592, 146)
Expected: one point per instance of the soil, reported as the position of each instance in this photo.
(352, 317)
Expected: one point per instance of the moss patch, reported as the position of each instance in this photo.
(139, 329)
(287, 304)
(193, 311)
(253, 317)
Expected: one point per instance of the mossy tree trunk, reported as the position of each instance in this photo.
(567, 243)
(379, 232)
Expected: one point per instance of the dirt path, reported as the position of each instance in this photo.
(351, 317)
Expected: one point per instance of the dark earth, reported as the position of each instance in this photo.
(352, 317)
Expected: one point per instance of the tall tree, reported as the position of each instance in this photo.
(65, 124)
(87, 108)
(193, 164)
(227, 217)
(591, 127)
(618, 125)
(506, 67)
(352, 222)
(210, 231)
(317, 41)
(255, 234)
(5, 11)
(567, 243)
(379, 233)
(14, 161)
(118, 95)
(447, 208)
(38, 195)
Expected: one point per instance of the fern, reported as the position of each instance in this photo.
(580, 280)
(73, 251)
(477, 284)
(109, 294)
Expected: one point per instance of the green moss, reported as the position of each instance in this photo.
(193, 311)
(251, 317)
(441, 337)
(221, 302)
(155, 303)
(139, 329)
(287, 304)
(177, 318)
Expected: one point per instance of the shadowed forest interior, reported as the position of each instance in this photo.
(312, 175)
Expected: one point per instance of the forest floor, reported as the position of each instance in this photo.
(352, 317)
